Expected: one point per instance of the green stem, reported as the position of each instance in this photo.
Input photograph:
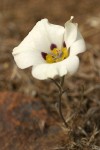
(60, 108)
(61, 91)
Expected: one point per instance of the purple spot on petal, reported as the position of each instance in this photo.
(44, 55)
(53, 46)
(64, 44)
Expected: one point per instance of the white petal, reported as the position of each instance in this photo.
(72, 65)
(70, 32)
(46, 34)
(42, 36)
(27, 59)
(79, 35)
(77, 47)
(45, 71)
(22, 48)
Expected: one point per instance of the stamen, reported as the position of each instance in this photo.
(56, 54)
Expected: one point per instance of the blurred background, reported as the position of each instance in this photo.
(17, 18)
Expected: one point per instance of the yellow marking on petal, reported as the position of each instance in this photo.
(49, 58)
(65, 52)
(55, 51)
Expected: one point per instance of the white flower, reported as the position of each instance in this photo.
(50, 49)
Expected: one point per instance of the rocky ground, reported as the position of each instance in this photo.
(29, 119)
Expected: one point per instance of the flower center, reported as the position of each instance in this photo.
(56, 54)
